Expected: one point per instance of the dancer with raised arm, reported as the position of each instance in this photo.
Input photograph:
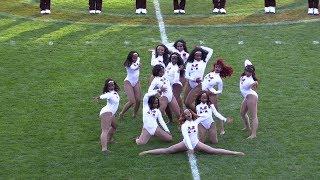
(248, 85)
(153, 123)
(107, 113)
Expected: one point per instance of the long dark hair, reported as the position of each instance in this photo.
(198, 99)
(128, 61)
(165, 54)
(180, 60)
(151, 102)
(252, 69)
(183, 117)
(156, 70)
(226, 70)
(184, 44)
(105, 88)
(204, 54)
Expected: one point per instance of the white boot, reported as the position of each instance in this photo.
(182, 11)
(92, 11)
(272, 9)
(176, 11)
(315, 11)
(42, 11)
(266, 9)
(138, 11)
(310, 11)
(223, 11)
(215, 10)
(98, 11)
(143, 11)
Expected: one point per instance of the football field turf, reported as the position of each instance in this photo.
(51, 67)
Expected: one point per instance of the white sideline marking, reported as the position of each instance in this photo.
(164, 40)
(315, 42)
(50, 43)
(278, 42)
(194, 166)
(240, 42)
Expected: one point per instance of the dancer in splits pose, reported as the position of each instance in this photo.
(189, 128)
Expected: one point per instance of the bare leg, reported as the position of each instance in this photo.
(112, 130)
(252, 103)
(244, 115)
(106, 119)
(163, 135)
(187, 89)
(213, 134)
(191, 97)
(170, 150)
(210, 150)
(174, 106)
(177, 89)
(144, 137)
(214, 99)
(131, 97)
(137, 94)
(202, 133)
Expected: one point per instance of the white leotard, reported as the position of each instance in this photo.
(196, 69)
(246, 82)
(156, 60)
(183, 54)
(152, 117)
(205, 111)
(245, 86)
(173, 74)
(113, 99)
(158, 82)
(133, 73)
(189, 131)
(211, 80)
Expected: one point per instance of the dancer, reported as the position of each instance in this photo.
(174, 71)
(190, 142)
(180, 47)
(205, 110)
(107, 113)
(167, 99)
(153, 124)
(248, 85)
(213, 79)
(132, 83)
(196, 65)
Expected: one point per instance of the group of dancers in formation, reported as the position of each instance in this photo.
(95, 6)
(174, 69)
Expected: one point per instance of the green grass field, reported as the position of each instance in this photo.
(52, 66)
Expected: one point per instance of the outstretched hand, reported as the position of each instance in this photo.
(229, 120)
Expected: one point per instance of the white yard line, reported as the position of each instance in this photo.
(163, 34)
(164, 40)
(194, 166)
